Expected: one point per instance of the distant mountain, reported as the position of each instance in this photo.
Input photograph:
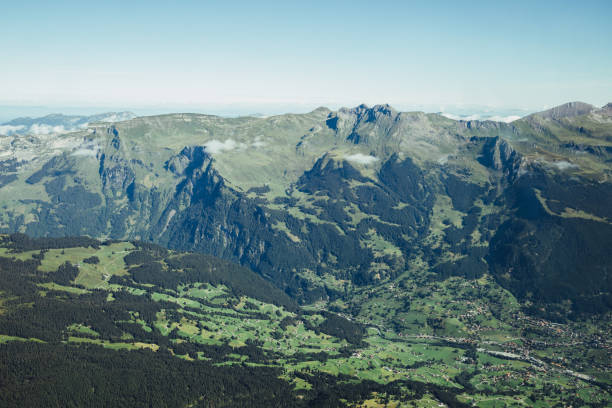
(567, 110)
(58, 123)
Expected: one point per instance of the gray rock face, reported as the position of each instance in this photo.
(600, 151)
(115, 171)
(189, 157)
(359, 124)
(606, 110)
(499, 155)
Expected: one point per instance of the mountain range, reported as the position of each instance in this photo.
(336, 210)
(355, 195)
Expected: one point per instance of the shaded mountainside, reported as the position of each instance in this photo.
(550, 252)
(324, 203)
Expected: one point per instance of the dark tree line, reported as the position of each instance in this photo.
(21, 242)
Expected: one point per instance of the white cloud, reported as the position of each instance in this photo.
(215, 146)
(507, 119)
(478, 116)
(259, 142)
(63, 143)
(459, 117)
(42, 129)
(85, 153)
(564, 165)
(9, 130)
(361, 158)
(117, 117)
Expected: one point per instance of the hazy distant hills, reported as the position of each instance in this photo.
(58, 123)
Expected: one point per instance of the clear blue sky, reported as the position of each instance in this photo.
(522, 54)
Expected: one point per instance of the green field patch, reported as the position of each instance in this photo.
(144, 325)
(5, 338)
(282, 227)
(325, 280)
(62, 288)
(129, 289)
(80, 328)
(90, 275)
(22, 256)
(112, 345)
(180, 301)
(203, 291)
(379, 245)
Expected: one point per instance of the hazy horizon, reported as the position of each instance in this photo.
(8, 113)
(277, 54)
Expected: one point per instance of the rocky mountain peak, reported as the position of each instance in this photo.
(189, 158)
(364, 111)
(567, 110)
(606, 110)
(501, 156)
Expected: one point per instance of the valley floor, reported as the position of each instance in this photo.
(413, 341)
